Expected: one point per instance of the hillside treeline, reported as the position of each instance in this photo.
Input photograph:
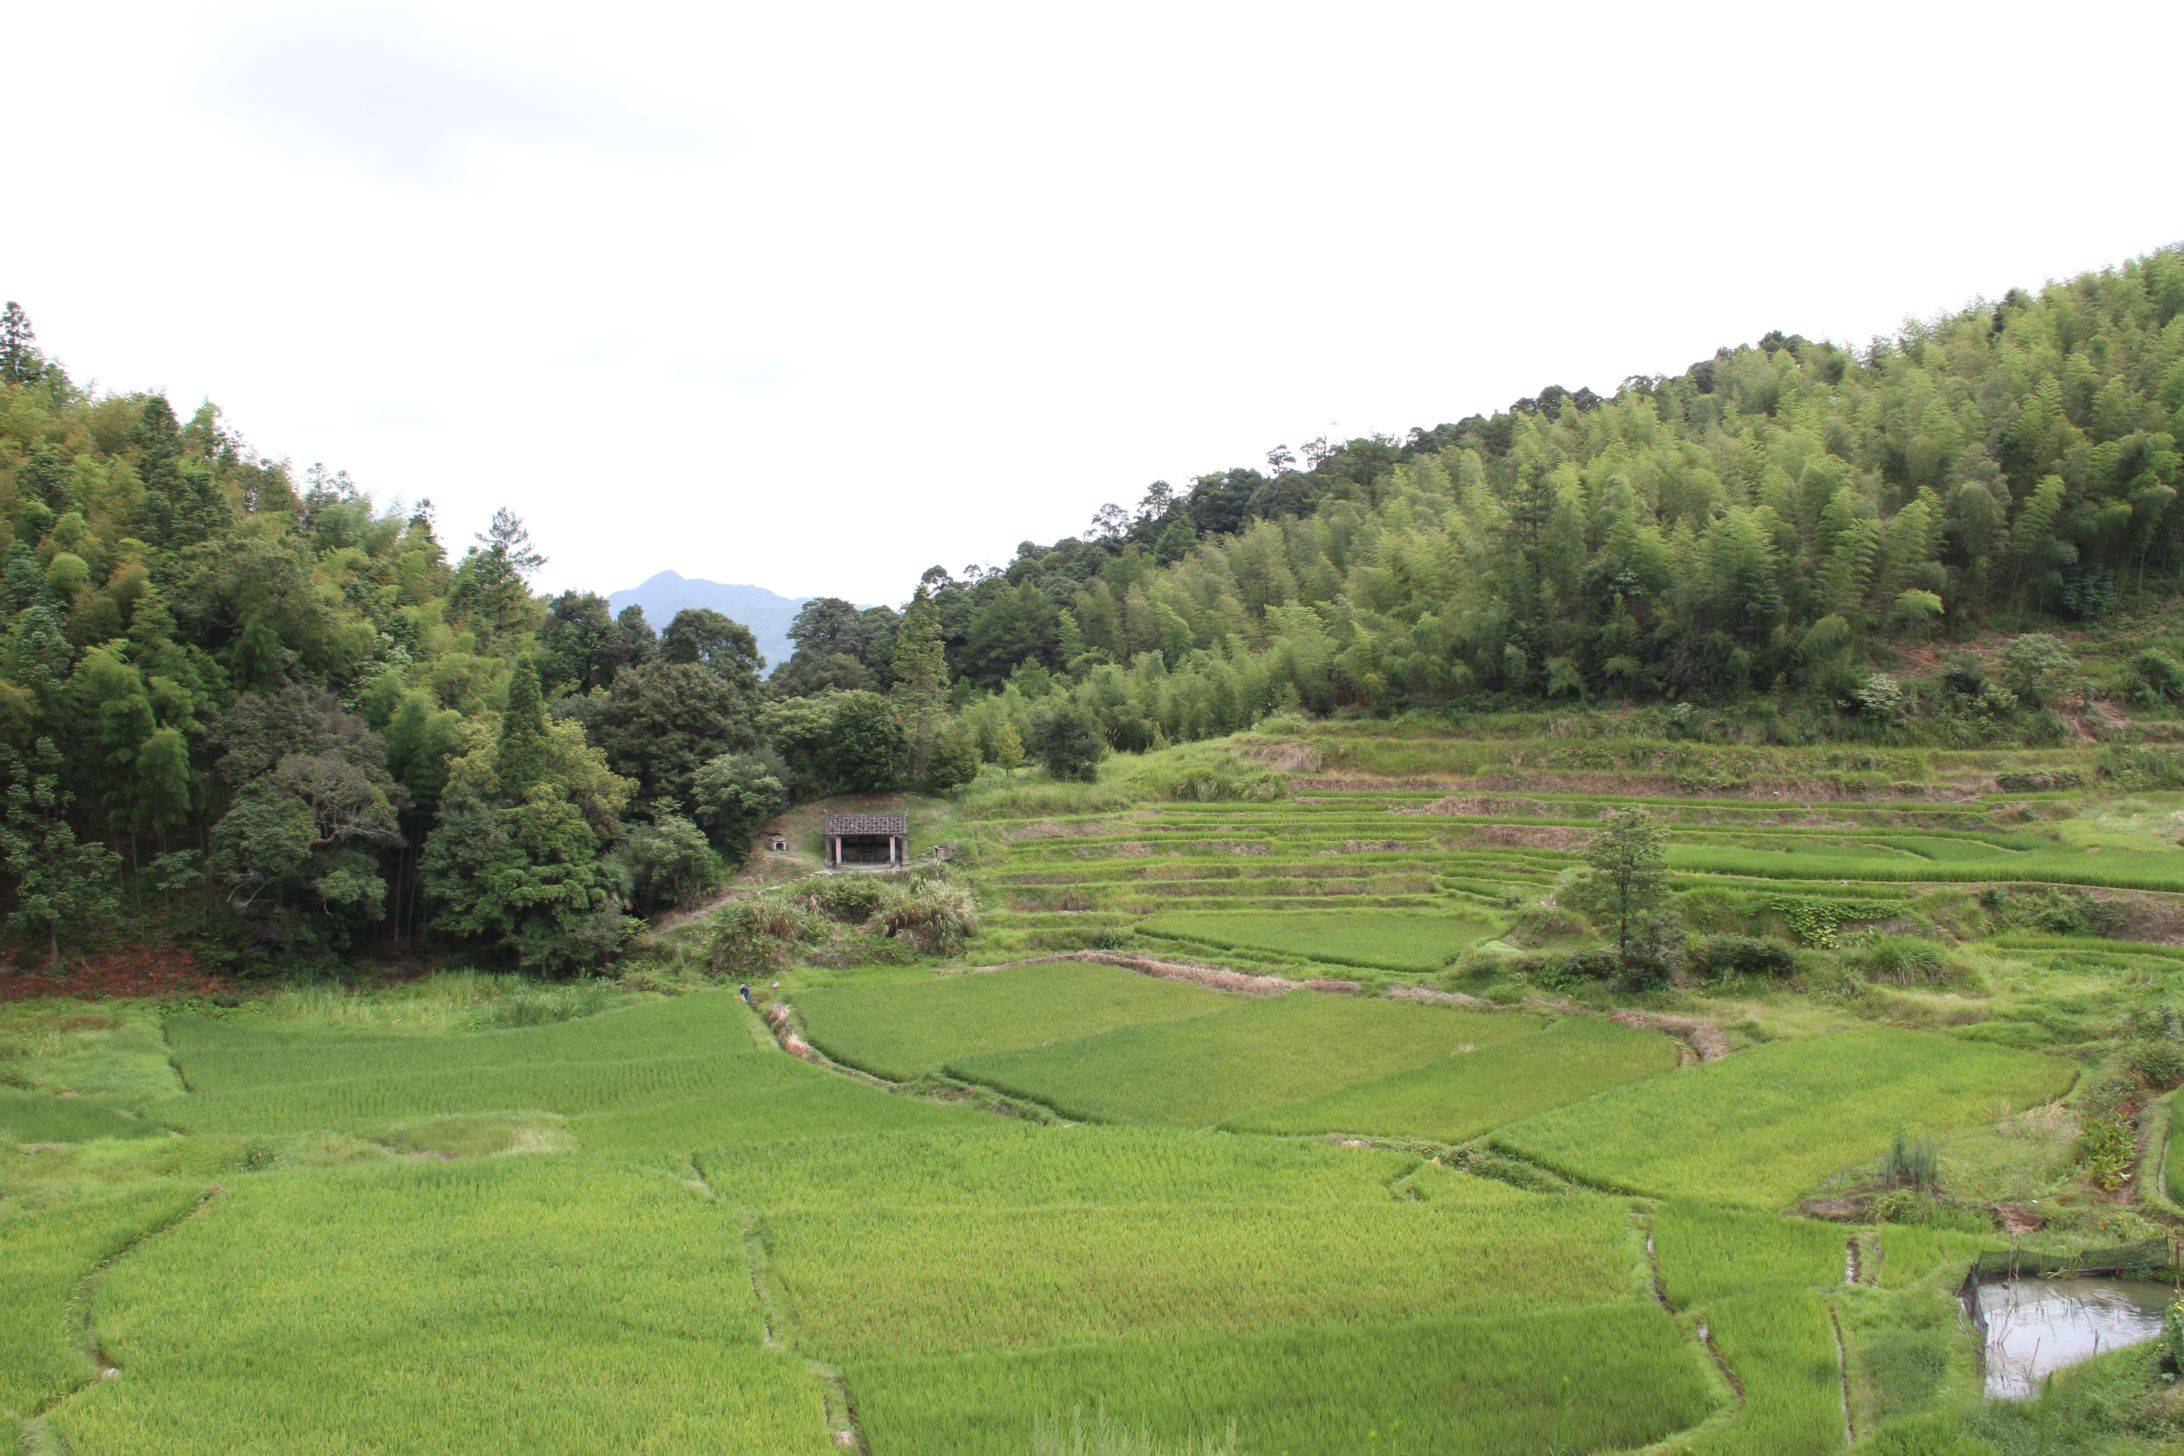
(261, 713)
(1765, 520)
(265, 714)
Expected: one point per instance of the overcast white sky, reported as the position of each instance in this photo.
(817, 296)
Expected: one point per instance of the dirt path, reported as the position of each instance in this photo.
(1701, 1040)
(779, 1018)
(1198, 973)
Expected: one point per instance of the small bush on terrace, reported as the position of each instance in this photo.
(1540, 925)
(2140, 768)
(2052, 908)
(1723, 956)
(2155, 1060)
(1203, 783)
(2156, 678)
(1898, 960)
(851, 899)
(937, 915)
(1563, 972)
(757, 934)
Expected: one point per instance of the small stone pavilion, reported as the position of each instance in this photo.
(868, 841)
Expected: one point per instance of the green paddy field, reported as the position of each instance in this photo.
(1443, 1199)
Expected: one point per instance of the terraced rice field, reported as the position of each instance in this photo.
(1395, 852)
(1329, 1223)
(1172, 1053)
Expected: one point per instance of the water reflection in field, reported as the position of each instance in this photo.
(2037, 1326)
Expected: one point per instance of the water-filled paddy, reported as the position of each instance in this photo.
(2035, 1327)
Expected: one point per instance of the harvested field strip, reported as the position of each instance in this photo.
(1758, 1128)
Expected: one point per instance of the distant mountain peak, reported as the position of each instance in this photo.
(767, 613)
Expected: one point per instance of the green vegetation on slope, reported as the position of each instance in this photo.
(1766, 1125)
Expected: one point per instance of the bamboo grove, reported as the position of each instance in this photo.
(1768, 520)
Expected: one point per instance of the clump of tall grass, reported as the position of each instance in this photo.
(1912, 1163)
(465, 1000)
(1898, 960)
(1101, 1436)
(935, 914)
(756, 935)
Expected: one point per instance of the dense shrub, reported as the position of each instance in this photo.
(667, 863)
(1723, 956)
(2140, 768)
(1593, 963)
(2156, 678)
(1071, 744)
(733, 794)
(1712, 908)
(1899, 960)
(757, 934)
(2055, 909)
(2158, 1061)
(849, 898)
(1216, 783)
(954, 759)
(936, 915)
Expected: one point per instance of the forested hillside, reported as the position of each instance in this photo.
(265, 715)
(1768, 519)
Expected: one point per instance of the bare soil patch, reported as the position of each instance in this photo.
(1477, 806)
(1525, 836)
(2141, 915)
(784, 1031)
(159, 972)
(1218, 978)
(1288, 756)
